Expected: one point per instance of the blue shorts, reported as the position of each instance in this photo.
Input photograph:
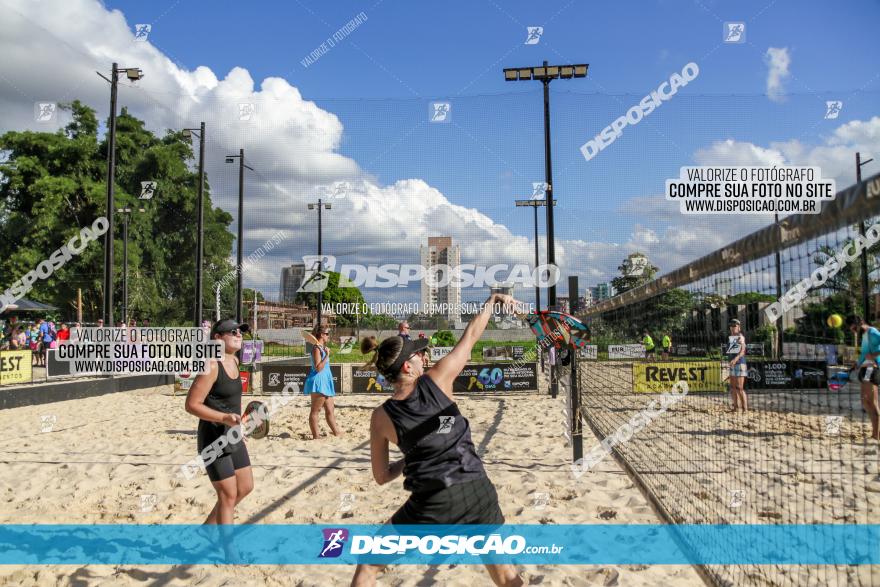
(739, 370)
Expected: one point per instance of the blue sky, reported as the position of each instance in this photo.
(380, 80)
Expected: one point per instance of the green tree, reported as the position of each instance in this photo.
(332, 295)
(53, 184)
(635, 271)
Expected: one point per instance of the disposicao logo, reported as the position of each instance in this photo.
(334, 540)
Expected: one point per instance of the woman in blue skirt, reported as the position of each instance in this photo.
(319, 384)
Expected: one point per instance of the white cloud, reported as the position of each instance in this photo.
(777, 60)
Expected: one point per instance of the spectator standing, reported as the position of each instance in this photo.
(403, 330)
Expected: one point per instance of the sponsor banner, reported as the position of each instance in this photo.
(183, 381)
(522, 544)
(589, 352)
(438, 352)
(660, 377)
(15, 367)
(477, 378)
(368, 381)
(251, 351)
(680, 350)
(787, 375)
(503, 353)
(626, 351)
(54, 367)
(275, 377)
(754, 349)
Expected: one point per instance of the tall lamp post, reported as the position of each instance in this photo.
(126, 218)
(133, 74)
(241, 167)
(325, 206)
(188, 133)
(535, 204)
(866, 302)
(780, 321)
(545, 74)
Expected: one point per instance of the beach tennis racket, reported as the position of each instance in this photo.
(558, 328)
(309, 338)
(262, 429)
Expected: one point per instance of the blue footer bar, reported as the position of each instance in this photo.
(821, 544)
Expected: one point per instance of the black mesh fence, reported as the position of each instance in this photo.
(802, 452)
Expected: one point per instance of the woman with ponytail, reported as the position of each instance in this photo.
(440, 465)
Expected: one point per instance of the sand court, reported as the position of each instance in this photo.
(113, 460)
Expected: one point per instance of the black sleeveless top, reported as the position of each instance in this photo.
(225, 396)
(435, 439)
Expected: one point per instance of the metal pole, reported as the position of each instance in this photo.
(238, 291)
(866, 302)
(548, 175)
(551, 249)
(577, 431)
(320, 261)
(125, 219)
(200, 247)
(111, 178)
(537, 262)
(780, 320)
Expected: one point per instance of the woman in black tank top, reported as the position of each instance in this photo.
(215, 397)
(440, 466)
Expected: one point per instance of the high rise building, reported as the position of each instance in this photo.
(602, 291)
(439, 291)
(291, 280)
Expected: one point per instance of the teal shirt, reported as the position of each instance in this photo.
(870, 343)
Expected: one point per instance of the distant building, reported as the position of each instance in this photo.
(587, 298)
(291, 280)
(271, 315)
(438, 252)
(602, 291)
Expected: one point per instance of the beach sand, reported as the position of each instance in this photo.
(92, 461)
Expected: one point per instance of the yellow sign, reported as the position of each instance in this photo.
(660, 377)
(15, 367)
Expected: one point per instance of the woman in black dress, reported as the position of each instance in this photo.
(215, 397)
(440, 465)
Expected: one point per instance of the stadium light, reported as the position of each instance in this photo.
(545, 74)
(535, 204)
(240, 239)
(320, 205)
(189, 133)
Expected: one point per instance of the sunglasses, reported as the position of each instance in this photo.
(236, 332)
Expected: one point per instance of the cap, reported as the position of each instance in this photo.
(733, 321)
(410, 347)
(228, 325)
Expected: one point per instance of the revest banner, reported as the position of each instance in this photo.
(660, 377)
(15, 367)
(516, 377)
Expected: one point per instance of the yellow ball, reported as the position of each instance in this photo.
(835, 321)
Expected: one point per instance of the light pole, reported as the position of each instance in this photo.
(534, 204)
(779, 322)
(545, 74)
(200, 231)
(133, 74)
(866, 303)
(240, 247)
(126, 218)
(320, 205)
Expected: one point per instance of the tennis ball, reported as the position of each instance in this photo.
(835, 321)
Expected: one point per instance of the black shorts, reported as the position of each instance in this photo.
(473, 502)
(233, 457)
(226, 465)
(875, 376)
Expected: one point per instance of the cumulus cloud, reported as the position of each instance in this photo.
(292, 143)
(777, 60)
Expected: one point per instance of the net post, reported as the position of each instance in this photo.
(577, 431)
